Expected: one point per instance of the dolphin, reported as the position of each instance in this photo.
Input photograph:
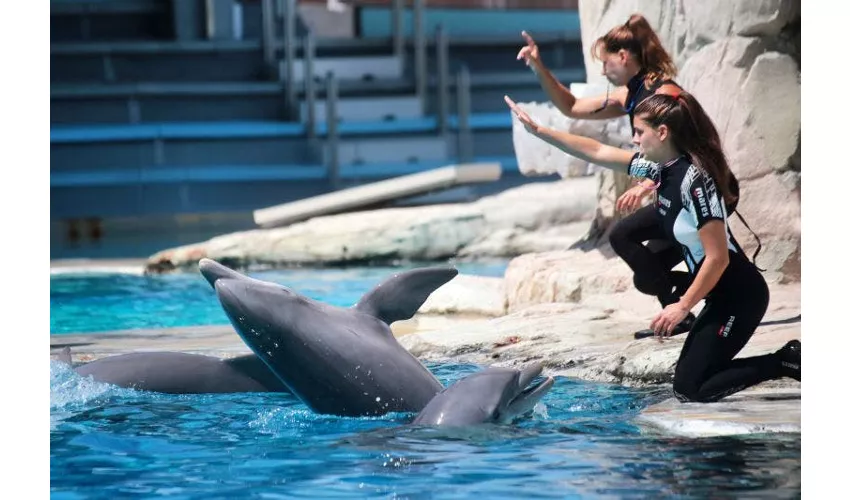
(493, 395)
(180, 373)
(340, 361)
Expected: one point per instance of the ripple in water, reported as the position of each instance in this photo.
(580, 442)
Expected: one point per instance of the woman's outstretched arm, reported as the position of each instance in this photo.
(581, 147)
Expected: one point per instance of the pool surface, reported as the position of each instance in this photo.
(580, 442)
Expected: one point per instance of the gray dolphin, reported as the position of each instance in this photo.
(180, 373)
(493, 395)
(341, 361)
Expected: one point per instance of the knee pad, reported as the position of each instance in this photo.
(685, 389)
(684, 394)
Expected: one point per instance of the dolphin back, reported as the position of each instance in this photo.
(400, 296)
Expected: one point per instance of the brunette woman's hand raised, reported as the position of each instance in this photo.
(530, 53)
(526, 120)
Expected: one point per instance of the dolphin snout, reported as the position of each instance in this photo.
(212, 271)
(254, 297)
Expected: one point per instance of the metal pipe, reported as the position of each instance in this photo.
(419, 55)
(108, 69)
(463, 109)
(332, 143)
(398, 28)
(443, 78)
(310, 84)
(269, 36)
(289, 57)
(134, 110)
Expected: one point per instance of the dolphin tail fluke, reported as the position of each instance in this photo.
(64, 356)
(400, 296)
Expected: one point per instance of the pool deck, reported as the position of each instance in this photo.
(72, 266)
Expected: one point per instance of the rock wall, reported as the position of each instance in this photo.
(742, 61)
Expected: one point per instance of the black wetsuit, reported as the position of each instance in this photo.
(687, 200)
(652, 263)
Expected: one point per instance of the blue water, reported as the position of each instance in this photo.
(106, 302)
(582, 441)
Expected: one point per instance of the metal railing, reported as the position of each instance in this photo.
(269, 36)
(464, 105)
(419, 51)
(398, 28)
(332, 143)
(422, 81)
(289, 53)
(310, 84)
(442, 80)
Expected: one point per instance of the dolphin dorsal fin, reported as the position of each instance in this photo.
(401, 295)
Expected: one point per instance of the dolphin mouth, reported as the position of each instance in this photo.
(533, 392)
(527, 398)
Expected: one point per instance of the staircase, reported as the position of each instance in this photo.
(156, 114)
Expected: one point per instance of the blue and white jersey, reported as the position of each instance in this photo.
(687, 199)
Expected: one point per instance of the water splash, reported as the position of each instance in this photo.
(540, 411)
(67, 388)
(71, 393)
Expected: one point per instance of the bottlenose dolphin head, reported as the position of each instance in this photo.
(493, 395)
(266, 315)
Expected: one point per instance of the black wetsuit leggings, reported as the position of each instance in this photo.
(652, 263)
(706, 370)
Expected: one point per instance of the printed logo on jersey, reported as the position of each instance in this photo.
(662, 204)
(714, 198)
(724, 330)
(700, 196)
(642, 168)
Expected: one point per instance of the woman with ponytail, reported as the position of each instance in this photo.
(679, 151)
(634, 60)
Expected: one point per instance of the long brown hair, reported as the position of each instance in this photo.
(638, 37)
(692, 133)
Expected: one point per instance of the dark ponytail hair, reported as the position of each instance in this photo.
(638, 37)
(692, 133)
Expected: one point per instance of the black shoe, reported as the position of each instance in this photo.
(790, 357)
(683, 327)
